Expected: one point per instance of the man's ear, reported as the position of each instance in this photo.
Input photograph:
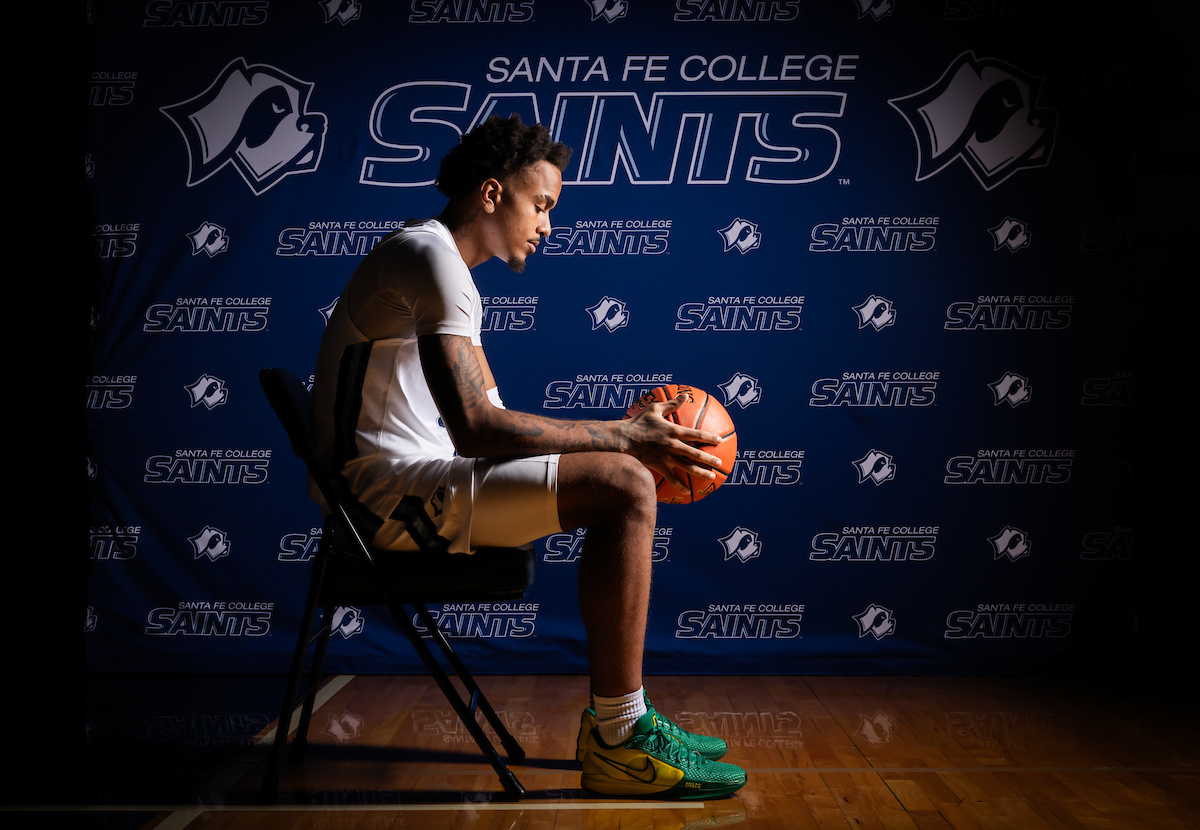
(489, 195)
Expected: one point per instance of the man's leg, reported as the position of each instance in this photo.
(621, 752)
(612, 495)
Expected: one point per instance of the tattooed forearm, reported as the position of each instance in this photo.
(459, 383)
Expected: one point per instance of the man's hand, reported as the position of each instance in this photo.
(458, 377)
(665, 447)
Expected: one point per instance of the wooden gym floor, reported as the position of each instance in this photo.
(821, 752)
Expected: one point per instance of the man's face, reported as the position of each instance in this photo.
(522, 216)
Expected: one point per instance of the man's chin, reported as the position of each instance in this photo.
(516, 264)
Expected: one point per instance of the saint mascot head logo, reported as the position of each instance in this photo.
(984, 111)
(254, 117)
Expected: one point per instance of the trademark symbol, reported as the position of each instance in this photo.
(843, 181)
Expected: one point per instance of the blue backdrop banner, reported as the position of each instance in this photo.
(893, 240)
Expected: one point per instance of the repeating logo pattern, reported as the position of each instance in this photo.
(609, 313)
(210, 239)
(876, 467)
(876, 312)
(1011, 234)
(208, 391)
(346, 621)
(1010, 542)
(876, 621)
(855, 309)
(1012, 389)
(740, 235)
(210, 542)
(343, 11)
(741, 389)
(741, 544)
(608, 10)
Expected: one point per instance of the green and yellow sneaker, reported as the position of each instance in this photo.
(711, 748)
(652, 764)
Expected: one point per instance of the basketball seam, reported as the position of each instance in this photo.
(696, 425)
(703, 411)
(664, 394)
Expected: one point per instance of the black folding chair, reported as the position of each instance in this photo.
(346, 572)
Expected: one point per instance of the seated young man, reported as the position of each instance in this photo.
(404, 404)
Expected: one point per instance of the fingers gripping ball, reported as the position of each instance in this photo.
(699, 411)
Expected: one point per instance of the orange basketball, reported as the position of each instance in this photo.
(699, 411)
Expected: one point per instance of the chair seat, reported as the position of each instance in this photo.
(488, 574)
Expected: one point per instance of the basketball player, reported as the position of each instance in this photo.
(404, 404)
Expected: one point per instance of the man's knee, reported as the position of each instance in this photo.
(601, 487)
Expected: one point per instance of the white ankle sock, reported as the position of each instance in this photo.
(615, 716)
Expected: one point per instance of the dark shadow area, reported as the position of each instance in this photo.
(378, 796)
(173, 740)
(395, 754)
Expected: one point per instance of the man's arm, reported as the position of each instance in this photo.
(459, 377)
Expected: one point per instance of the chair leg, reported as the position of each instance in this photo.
(300, 742)
(507, 780)
(269, 790)
(516, 753)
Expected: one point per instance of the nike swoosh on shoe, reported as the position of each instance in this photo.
(650, 769)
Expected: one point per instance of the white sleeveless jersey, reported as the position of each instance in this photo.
(374, 418)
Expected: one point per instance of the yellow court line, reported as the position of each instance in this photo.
(193, 810)
(883, 770)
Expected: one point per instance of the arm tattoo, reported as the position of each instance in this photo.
(456, 381)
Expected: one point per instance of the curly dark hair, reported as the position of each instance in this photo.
(497, 149)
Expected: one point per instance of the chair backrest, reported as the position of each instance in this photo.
(438, 576)
(293, 407)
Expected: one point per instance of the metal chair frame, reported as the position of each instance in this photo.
(352, 526)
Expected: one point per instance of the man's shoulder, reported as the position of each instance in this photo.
(418, 257)
(428, 240)
(429, 231)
